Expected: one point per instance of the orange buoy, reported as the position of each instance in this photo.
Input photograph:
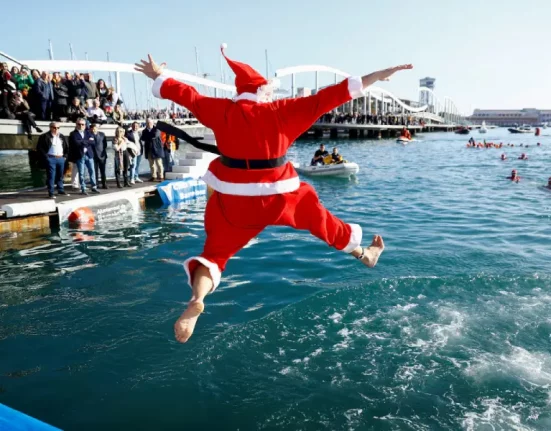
(83, 215)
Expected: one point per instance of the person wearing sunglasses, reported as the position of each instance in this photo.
(81, 146)
(54, 149)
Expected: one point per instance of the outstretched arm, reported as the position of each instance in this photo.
(383, 75)
(202, 107)
(299, 114)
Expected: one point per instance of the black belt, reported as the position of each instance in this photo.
(253, 164)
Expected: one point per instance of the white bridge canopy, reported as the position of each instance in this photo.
(107, 66)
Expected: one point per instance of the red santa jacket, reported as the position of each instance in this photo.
(245, 129)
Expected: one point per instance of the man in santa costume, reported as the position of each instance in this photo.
(254, 185)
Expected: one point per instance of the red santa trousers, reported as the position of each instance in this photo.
(232, 221)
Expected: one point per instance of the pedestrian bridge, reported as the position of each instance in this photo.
(376, 100)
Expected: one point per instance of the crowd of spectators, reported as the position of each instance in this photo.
(31, 95)
(355, 118)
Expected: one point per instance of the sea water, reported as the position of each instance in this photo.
(450, 331)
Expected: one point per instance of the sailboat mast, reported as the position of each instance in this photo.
(135, 97)
(51, 50)
(110, 85)
(196, 62)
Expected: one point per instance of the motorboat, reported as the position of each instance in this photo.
(462, 131)
(483, 128)
(403, 140)
(342, 170)
(521, 129)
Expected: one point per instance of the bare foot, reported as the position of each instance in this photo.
(372, 253)
(184, 326)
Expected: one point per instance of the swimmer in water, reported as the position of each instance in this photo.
(503, 157)
(523, 156)
(549, 183)
(514, 176)
(539, 144)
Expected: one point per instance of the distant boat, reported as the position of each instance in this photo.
(343, 170)
(462, 130)
(521, 129)
(483, 128)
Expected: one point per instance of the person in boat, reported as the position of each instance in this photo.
(523, 156)
(249, 197)
(503, 157)
(514, 176)
(405, 134)
(319, 156)
(472, 142)
(336, 158)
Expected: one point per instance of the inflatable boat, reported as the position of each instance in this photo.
(343, 170)
(403, 140)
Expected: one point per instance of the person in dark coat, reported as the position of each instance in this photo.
(42, 96)
(81, 152)
(100, 154)
(53, 148)
(22, 112)
(61, 95)
(75, 111)
(153, 150)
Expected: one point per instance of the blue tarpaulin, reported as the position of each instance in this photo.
(186, 189)
(12, 420)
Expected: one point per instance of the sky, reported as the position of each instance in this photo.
(483, 53)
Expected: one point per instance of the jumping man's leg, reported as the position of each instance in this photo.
(204, 272)
(202, 285)
(306, 212)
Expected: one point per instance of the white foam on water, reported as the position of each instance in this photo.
(353, 417)
(410, 372)
(363, 321)
(496, 417)
(344, 332)
(316, 353)
(336, 317)
(406, 307)
(531, 367)
(254, 307)
(442, 332)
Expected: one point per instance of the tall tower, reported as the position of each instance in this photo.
(426, 98)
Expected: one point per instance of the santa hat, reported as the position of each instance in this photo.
(247, 80)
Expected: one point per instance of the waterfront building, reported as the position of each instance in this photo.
(510, 117)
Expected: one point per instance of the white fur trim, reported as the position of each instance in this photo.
(214, 271)
(355, 87)
(224, 46)
(157, 84)
(252, 189)
(355, 238)
(264, 94)
(246, 96)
